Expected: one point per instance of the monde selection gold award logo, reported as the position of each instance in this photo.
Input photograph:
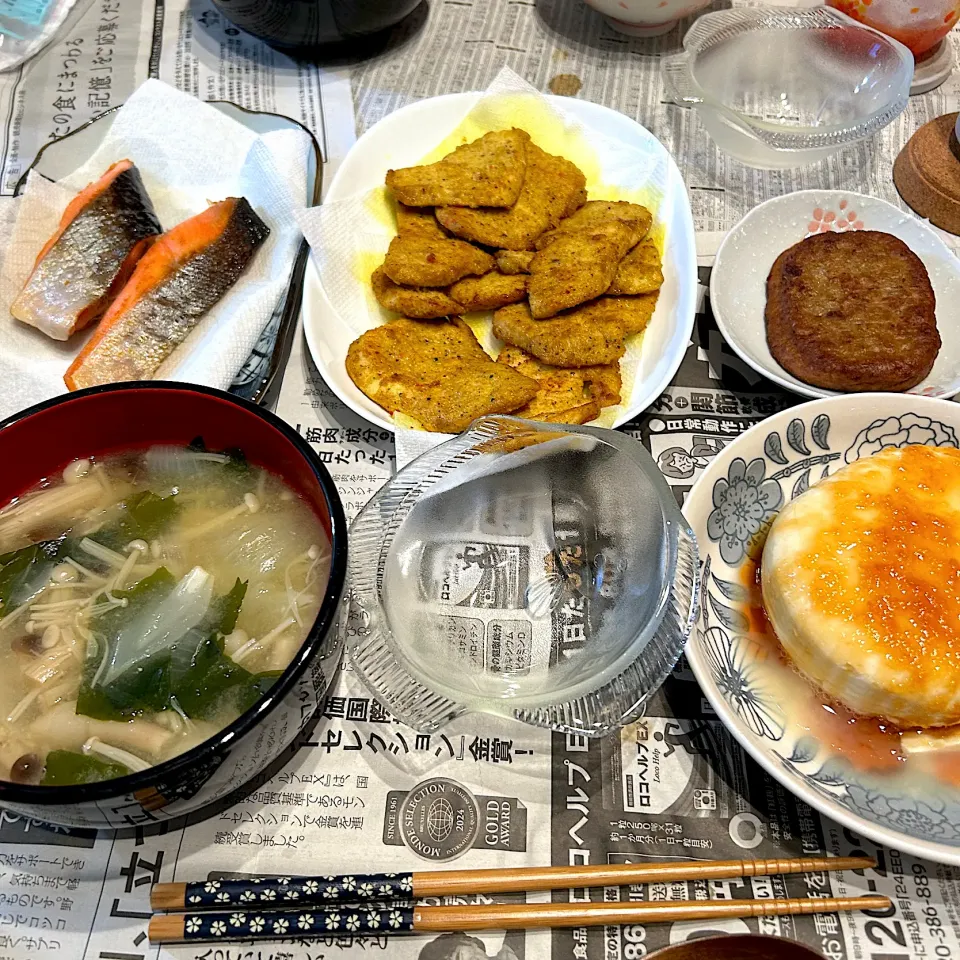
(440, 819)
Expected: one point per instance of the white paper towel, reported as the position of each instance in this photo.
(347, 236)
(188, 154)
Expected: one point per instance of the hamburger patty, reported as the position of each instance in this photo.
(852, 312)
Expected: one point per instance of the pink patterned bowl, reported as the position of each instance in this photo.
(738, 283)
(646, 18)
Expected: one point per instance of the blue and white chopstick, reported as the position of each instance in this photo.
(326, 891)
(376, 921)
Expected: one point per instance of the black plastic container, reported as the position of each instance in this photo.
(305, 26)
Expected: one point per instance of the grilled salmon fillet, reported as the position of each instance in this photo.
(102, 234)
(852, 312)
(175, 283)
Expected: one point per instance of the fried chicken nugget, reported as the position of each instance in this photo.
(514, 261)
(639, 271)
(419, 222)
(565, 395)
(632, 313)
(603, 379)
(569, 340)
(490, 291)
(551, 188)
(577, 200)
(485, 173)
(416, 262)
(419, 302)
(605, 382)
(601, 211)
(577, 267)
(589, 335)
(436, 373)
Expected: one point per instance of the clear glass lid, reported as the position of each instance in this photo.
(791, 78)
(533, 570)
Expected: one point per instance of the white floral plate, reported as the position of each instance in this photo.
(738, 283)
(730, 509)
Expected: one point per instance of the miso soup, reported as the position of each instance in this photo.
(147, 599)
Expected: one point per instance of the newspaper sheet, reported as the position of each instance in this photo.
(461, 45)
(513, 794)
(109, 47)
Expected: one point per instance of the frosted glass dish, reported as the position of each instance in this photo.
(529, 570)
(779, 88)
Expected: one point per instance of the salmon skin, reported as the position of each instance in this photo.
(102, 234)
(175, 283)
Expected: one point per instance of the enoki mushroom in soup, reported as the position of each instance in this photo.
(147, 599)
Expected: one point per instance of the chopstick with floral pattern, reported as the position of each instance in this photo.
(324, 891)
(376, 921)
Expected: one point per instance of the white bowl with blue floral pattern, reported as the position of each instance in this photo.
(730, 509)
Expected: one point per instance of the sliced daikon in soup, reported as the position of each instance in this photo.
(161, 624)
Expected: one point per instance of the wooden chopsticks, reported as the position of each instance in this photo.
(379, 887)
(271, 908)
(372, 921)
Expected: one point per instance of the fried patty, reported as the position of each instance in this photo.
(577, 267)
(485, 173)
(578, 338)
(640, 271)
(421, 262)
(436, 373)
(552, 189)
(490, 291)
(420, 303)
(595, 212)
(564, 396)
(514, 261)
(420, 222)
(602, 380)
(852, 312)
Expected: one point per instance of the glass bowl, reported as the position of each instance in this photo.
(529, 570)
(779, 88)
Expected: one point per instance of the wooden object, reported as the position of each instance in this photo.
(271, 925)
(927, 173)
(384, 887)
